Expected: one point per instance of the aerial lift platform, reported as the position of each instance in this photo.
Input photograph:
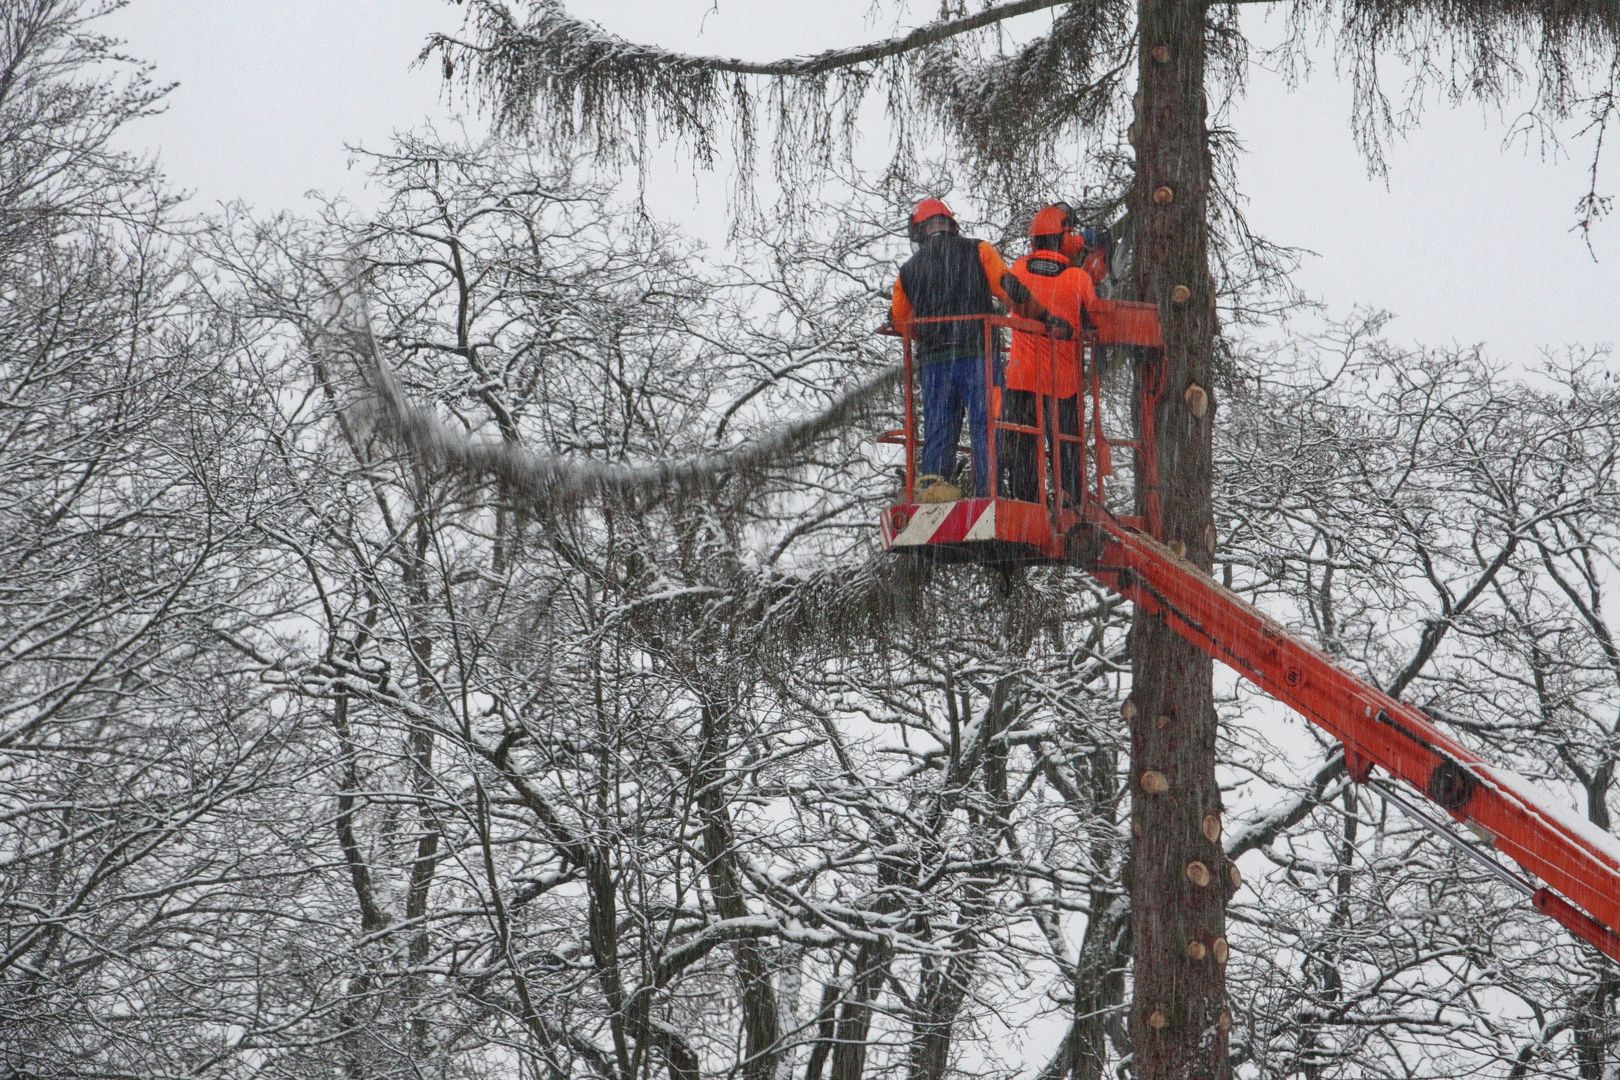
(1570, 868)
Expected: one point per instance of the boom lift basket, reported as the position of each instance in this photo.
(995, 527)
(1571, 868)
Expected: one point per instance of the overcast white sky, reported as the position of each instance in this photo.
(1470, 242)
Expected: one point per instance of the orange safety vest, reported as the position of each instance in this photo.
(1064, 290)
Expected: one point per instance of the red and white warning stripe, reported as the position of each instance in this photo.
(911, 525)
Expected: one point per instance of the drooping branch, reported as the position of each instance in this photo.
(579, 87)
(1013, 107)
(1401, 54)
(568, 45)
(550, 483)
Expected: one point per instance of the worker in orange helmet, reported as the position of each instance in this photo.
(1044, 365)
(952, 275)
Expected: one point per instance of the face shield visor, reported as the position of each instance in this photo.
(934, 226)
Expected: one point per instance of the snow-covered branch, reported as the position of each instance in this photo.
(548, 483)
(562, 44)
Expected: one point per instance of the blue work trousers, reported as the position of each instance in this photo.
(949, 388)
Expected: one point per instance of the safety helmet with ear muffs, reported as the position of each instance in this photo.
(1057, 220)
(924, 212)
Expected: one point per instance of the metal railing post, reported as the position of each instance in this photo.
(1083, 357)
(911, 417)
(991, 418)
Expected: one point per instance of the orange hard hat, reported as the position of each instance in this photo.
(926, 211)
(930, 208)
(1051, 220)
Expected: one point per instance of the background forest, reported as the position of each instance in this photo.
(317, 761)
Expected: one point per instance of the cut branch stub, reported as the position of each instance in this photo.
(1212, 828)
(1180, 295)
(1178, 548)
(1164, 195)
(1154, 782)
(1128, 710)
(1196, 399)
(1196, 950)
(1199, 874)
(1156, 1020)
(1161, 54)
(1219, 950)
(1224, 1021)
(1235, 875)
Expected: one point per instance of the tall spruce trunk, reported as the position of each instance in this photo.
(1178, 878)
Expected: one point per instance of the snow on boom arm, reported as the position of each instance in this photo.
(1578, 863)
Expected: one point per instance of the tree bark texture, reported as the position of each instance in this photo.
(1178, 878)
(855, 1017)
(756, 994)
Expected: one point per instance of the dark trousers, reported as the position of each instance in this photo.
(1018, 450)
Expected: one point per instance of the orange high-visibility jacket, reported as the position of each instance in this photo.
(1064, 290)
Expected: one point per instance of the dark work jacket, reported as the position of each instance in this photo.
(948, 275)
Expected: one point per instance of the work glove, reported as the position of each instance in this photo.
(1059, 328)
